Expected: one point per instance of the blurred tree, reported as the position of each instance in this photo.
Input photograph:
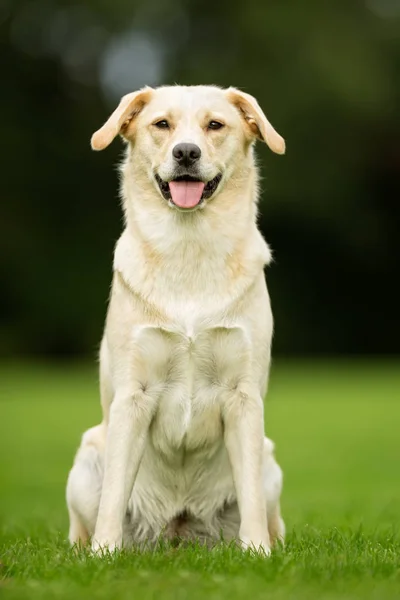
(328, 77)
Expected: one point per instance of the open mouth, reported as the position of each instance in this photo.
(187, 191)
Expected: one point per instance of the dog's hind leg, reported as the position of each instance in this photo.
(86, 476)
(273, 480)
(84, 486)
(78, 534)
(276, 526)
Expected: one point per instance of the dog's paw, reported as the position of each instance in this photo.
(261, 547)
(101, 547)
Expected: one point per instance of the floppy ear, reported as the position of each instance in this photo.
(129, 106)
(256, 121)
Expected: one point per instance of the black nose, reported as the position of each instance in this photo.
(186, 154)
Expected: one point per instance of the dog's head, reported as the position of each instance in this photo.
(190, 140)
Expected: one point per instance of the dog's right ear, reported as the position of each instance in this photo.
(128, 108)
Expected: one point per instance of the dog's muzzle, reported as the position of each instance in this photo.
(187, 191)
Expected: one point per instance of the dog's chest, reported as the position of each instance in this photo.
(190, 375)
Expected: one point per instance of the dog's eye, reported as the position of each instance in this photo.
(163, 124)
(215, 125)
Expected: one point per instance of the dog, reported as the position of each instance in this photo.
(184, 361)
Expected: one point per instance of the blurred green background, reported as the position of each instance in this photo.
(327, 75)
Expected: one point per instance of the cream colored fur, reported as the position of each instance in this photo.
(185, 355)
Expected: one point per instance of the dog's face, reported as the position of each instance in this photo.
(189, 140)
(190, 137)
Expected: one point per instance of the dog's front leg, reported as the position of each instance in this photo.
(129, 421)
(243, 416)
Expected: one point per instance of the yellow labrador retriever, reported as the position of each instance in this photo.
(185, 356)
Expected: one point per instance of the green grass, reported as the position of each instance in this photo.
(336, 428)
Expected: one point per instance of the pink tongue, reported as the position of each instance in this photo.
(186, 194)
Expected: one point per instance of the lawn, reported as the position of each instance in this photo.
(336, 428)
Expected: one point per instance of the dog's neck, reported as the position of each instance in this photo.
(209, 252)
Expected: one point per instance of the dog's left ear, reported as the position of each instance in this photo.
(128, 108)
(256, 121)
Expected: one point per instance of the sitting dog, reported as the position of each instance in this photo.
(184, 360)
